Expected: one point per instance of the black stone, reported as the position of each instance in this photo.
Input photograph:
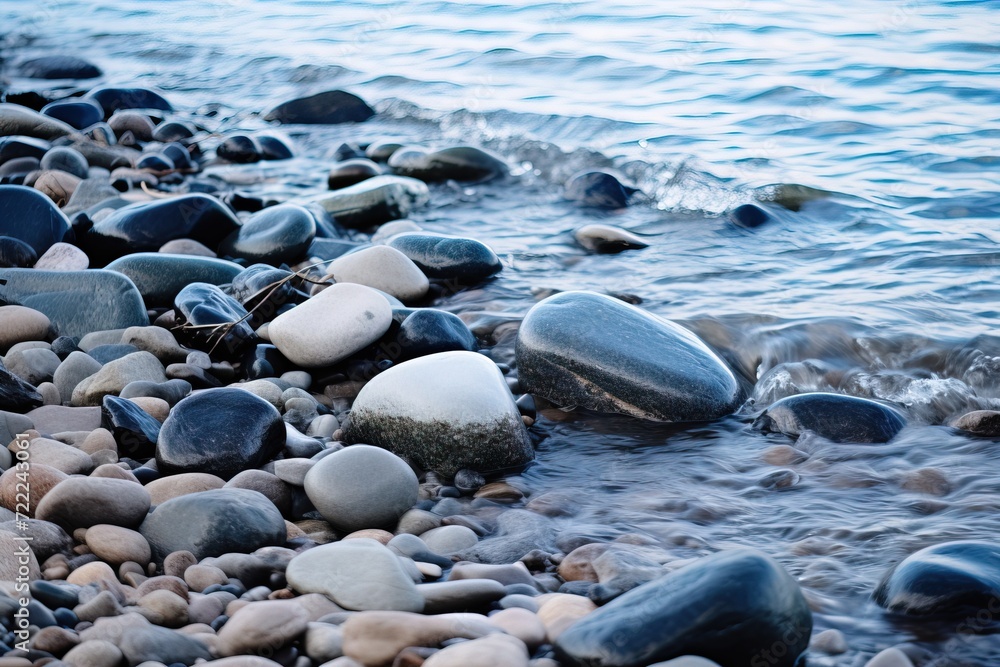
(15, 253)
(155, 162)
(63, 346)
(257, 288)
(146, 226)
(331, 107)
(53, 595)
(80, 113)
(212, 523)
(428, 330)
(951, 579)
(179, 155)
(348, 151)
(734, 607)
(460, 163)
(201, 304)
(273, 148)
(221, 432)
(749, 216)
(598, 189)
(134, 430)
(465, 261)
(589, 350)
(276, 235)
(173, 131)
(264, 361)
(197, 377)
(160, 277)
(836, 417)
(239, 148)
(115, 99)
(350, 172)
(66, 159)
(76, 302)
(14, 147)
(16, 395)
(59, 67)
(381, 151)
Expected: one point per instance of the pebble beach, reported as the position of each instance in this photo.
(320, 382)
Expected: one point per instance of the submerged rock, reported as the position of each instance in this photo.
(836, 417)
(212, 523)
(76, 302)
(58, 67)
(445, 412)
(607, 239)
(589, 350)
(985, 423)
(734, 607)
(328, 108)
(29, 216)
(374, 201)
(950, 579)
(221, 432)
(598, 189)
(463, 260)
(459, 163)
(115, 99)
(146, 226)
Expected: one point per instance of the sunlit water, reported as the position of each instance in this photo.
(889, 281)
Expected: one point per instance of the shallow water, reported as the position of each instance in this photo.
(887, 281)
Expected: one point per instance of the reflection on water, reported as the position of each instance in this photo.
(878, 280)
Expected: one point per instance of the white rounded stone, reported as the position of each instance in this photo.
(383, 268)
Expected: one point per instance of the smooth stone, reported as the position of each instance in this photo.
(200, 577)
(240, 149)
(359, 574)
(274, 148)
(462, 260)
(571, 349)
(19, 324)
(41, 478)
(16, 254)
(17, 395)
(275, 235)
(246, 431)
(212, 319)
(173, 486)
(116, 545)
(687, 661)
(94, 197)
(831, 642)
(461, 595)
(890, 657)
(749, 216)
(327, 108)
(94, 653)
(19, 148)
(186, 247)
(78, 113)
(33, 365)
(464, 164)
(269, 391)
(271, 486)
(115, 375)
(607, 239)
(836, 417)
(383, 268)
(156, 644)
(171, 391)
(293, 470)
(950, 579)
(146, 226)
(63, 257)
(446, 412)
(494, 651)
(59, 419)
(64, 158)
(745, 604)
(984, 423)
(29, 216)
(56, 185)
(58, 67)
(134, 431)
(157, 341)
(449, 539)
(60, 456)
(116, 99)
(390, 229)
(429, 331)
(361, 487)
(212, 523)
(261, 627)
(374, 201)
(17, 120)
(375, 638)
(76, 302)
(329, 327)
(160, 276)
(138, 125)
(349, 172)
(47, 538)
(598, 189)
(108, 353)
(324, 642)
(81, 502)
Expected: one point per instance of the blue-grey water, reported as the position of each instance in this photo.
(884, 116)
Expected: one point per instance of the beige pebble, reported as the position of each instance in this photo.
(375, 638)
(558, 611)
(492, 651)
(376, 534)
(99, 438)
(94, 653)
(522, 624)
(90, 573)
(157, 408)
(262, 626)
(173, 486)
(578, 565)
(891, 657)
(200, 577)
(116, 545)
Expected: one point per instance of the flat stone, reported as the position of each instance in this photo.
(69, 460)
(836, 417)
(116, 545)
(10, 567)
(465, 164)
(17, 120)
(358, 574)
(58, 67)
(444, 411)
(329, 327)
(212, 523)
(16, 394)
(76, 302)
(50, 419)
(593, 351)
(460, 595)
(81, 502)
(597, 189)
(375, 638)
(246, 432)
(114, 99)
(41, 479)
